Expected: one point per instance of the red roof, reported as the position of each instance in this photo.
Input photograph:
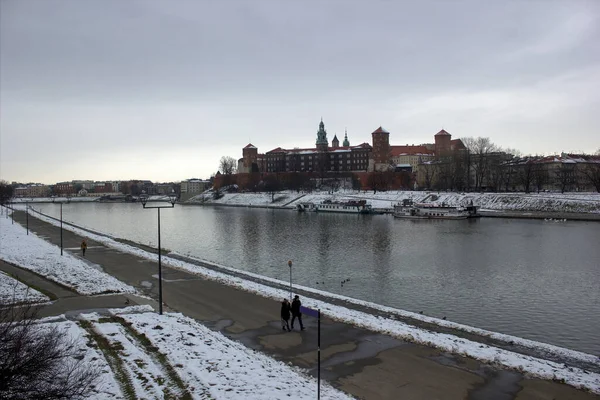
(380, 130)
(457, 144)
(411, 150)
(250, 146)
(442, 133)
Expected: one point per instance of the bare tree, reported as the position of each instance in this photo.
(591, 172)
(540, 176)
(227, 165)
(380, 180)
(480, 149)
(508, 170)
(460, 170)
(429, 174)
(6, 192)
(525, 171)
(38, 361)
(272, 185)
(565, 177)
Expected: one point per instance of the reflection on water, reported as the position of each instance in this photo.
(535, 279)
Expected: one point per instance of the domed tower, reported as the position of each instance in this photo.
(346, 141)
(322, 142)
(380, 156)
(442, 143)
(249, 157)
(335, 143)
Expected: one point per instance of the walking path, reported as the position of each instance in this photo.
(363, 363)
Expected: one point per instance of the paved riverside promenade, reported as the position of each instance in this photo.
(362, 363)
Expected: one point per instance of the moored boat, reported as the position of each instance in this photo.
(433, 211)
(348, 207)
(301, 207)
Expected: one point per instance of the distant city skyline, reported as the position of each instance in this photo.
(118, 90)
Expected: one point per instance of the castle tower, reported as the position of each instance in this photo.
(335, 143)
(322, 142)
(380, 156)
(249, 157)
(442, 143)
(346, 141)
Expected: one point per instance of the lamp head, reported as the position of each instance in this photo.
(172, 197)
(144, 199)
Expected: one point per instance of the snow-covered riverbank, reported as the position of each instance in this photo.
(37, 255)
(391, 325)
(542, 202)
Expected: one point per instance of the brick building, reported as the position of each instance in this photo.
(381, 156)
(35, 190)
(63, 188)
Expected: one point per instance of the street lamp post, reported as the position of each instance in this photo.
(144, 200)
(290, 265)
(27, 216)
(61, 235)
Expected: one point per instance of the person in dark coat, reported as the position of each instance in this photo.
(296, 312)
(83, 247)
(285, 314)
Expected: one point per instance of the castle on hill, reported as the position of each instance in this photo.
(365, 157)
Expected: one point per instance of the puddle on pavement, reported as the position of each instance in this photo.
(499, 385)
(220, 325)
(445, 359)
(368, 346)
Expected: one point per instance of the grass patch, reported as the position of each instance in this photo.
(111, 353)
(158, 356)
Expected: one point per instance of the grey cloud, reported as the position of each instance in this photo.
(209, 49)
(99, 74)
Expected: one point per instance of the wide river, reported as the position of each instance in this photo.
(529, 278)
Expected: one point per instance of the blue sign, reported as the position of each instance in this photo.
(309, 311)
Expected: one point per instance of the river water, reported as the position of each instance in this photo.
(529, 278)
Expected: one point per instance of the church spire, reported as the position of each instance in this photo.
(322, 142)
(346, 142)
(335, 143)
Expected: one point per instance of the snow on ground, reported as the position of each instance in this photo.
(35, 254)
(542, 202)
(149, 379)
(208, 364)
(74, 199)
(534, 366)
(12, 291)
(106, 386)
(226, 369)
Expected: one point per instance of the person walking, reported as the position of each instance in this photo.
(83, 247)
(296, 312)
(285, 314)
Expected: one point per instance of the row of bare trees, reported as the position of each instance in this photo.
(486, 166)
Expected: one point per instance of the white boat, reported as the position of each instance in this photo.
(301, 207)
(433, 211)
(348, 207)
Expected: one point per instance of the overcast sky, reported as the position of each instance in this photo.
(160, 90)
